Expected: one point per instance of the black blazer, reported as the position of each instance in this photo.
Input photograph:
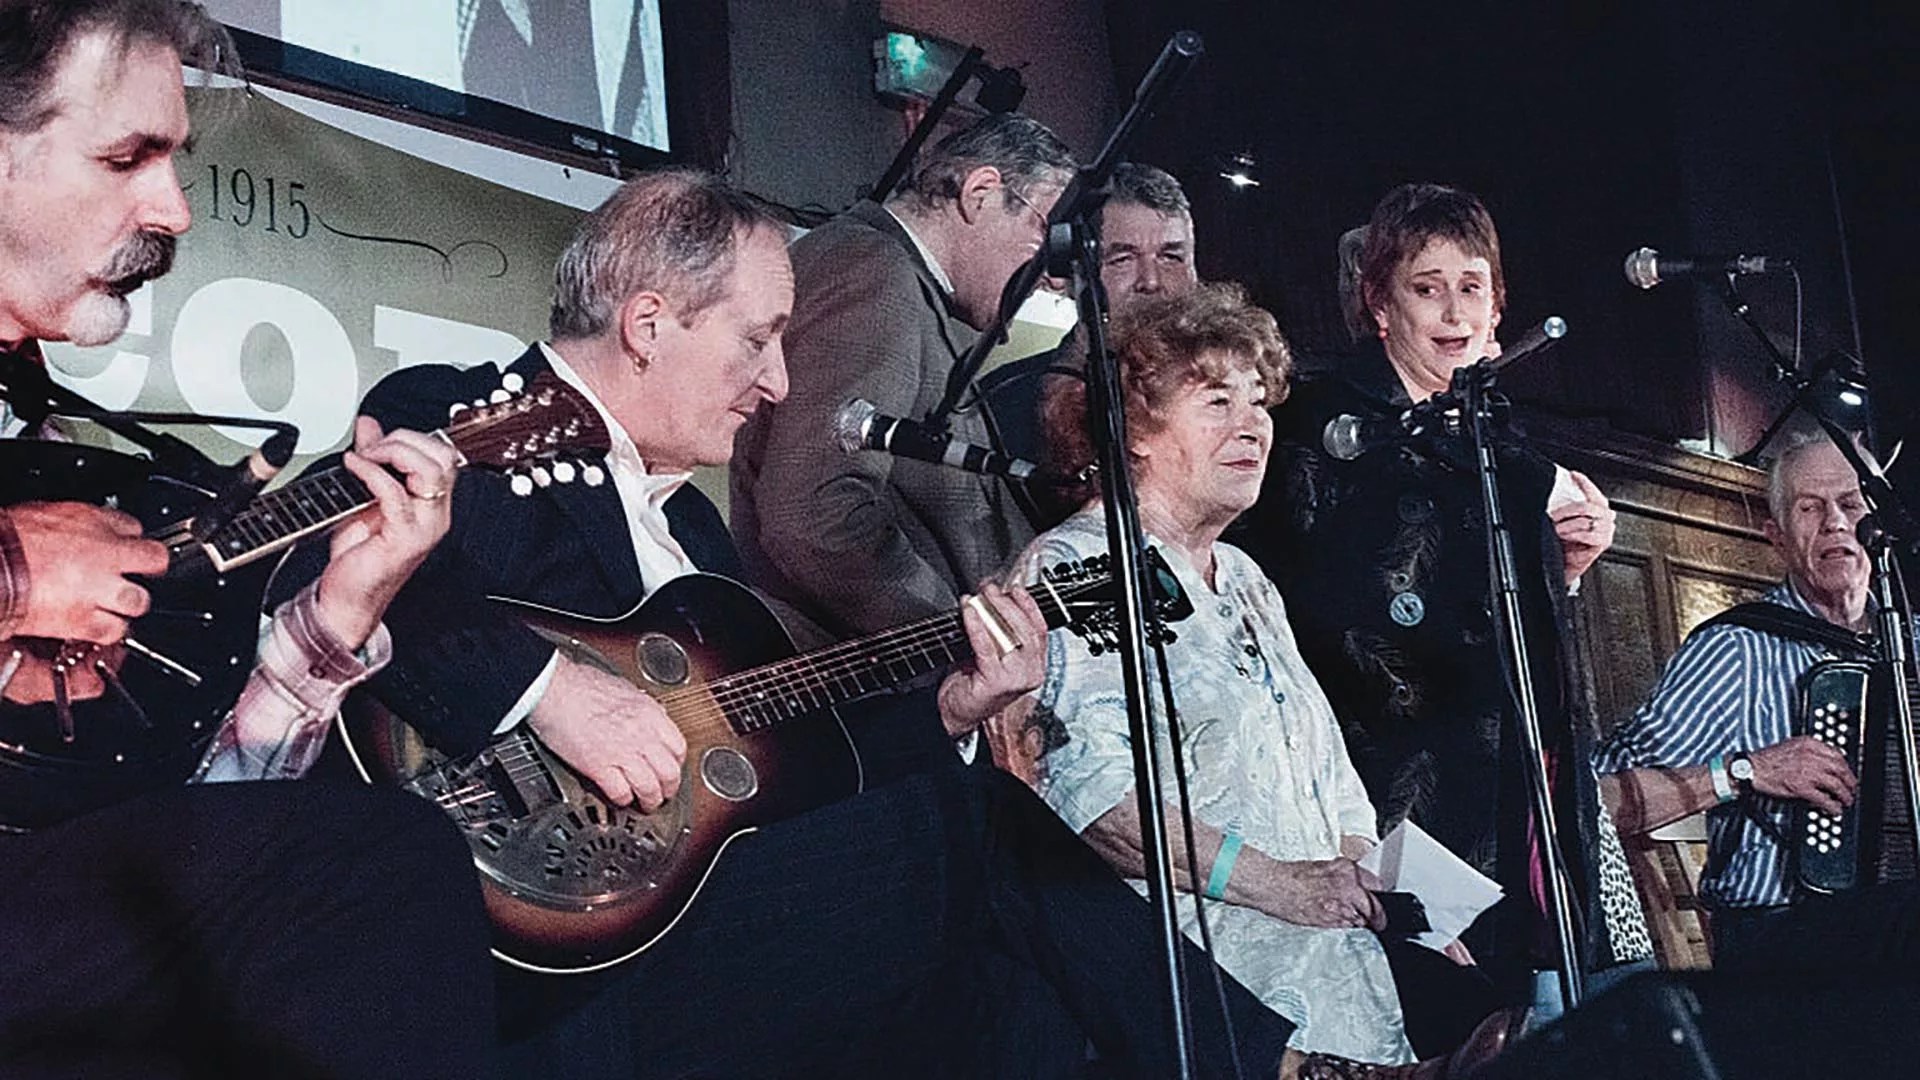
(459, 664)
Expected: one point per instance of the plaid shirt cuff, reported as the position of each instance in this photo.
(278, 727)
(13, 577)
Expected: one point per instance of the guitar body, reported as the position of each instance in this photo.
(572, 882)
(152, 735)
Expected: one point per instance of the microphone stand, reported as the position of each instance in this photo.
(35, 396)
(1888, 528)
(1473, 387)
(1071, 251)
(942, 101)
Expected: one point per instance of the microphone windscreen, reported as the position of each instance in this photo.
(1342, 437)
(1643, 268)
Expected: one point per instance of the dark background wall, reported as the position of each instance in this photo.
(1590, 130)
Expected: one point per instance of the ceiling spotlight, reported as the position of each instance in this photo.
(1239, 170)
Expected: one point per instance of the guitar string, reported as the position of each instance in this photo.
(761, 710)
(817, 671)
(826, 675)
(860, 654)
(485, 446)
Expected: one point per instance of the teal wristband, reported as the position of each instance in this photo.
(1223, 867)
(1723, 789)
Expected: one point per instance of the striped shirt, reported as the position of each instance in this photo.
(1727, 689)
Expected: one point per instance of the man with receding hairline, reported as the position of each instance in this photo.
(1717, 736)
(1144, 226)
(888, 297)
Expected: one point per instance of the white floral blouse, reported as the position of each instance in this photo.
(1265, 759)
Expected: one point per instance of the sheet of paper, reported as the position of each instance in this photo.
(1454, 894)
(1565, 492)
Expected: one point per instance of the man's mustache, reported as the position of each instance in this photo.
(148, 255)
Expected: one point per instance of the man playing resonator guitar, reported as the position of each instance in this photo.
(846, 940)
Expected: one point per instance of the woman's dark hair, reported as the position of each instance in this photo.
(1412, 216)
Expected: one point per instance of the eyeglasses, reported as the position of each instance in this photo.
(1031, 209)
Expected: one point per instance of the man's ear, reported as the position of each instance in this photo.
(977, 188)
(640, 319)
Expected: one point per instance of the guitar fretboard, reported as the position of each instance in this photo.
(762, 697)
(288, 513)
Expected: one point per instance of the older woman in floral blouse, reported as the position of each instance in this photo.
(1280, 816)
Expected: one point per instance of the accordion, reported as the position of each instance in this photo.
(1843, 705)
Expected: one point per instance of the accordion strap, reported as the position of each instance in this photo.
(1795, 625)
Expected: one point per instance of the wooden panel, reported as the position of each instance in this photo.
(1629, 652)
(1700, 593)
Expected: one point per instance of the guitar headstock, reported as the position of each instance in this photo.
(543, 433)
(1083, 597)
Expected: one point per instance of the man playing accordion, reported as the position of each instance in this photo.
(1724, 732)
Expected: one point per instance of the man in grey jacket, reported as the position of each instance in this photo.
(888, 297)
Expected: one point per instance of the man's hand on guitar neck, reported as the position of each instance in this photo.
(77, 559)
(373, 552)
(612, 733)
(1009, 639)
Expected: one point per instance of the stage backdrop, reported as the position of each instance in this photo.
(319, 262)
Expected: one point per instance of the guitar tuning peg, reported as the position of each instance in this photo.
(500, 396)
(479, 403)
(564, 472)
(512, 383)
(593, 476)
(541, 476)
(521, 484)
(456, 409)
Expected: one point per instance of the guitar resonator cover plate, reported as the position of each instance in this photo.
(728, 774)
(662, 659)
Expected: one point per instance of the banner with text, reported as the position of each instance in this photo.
(318, 263)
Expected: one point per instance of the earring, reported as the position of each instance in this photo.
(1382, 331)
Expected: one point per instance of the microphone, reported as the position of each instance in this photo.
(1347, 436)
(860, 426)
(1532, 340)
(1647, 267)
(245, 481)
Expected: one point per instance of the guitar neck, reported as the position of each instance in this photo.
(762, 697)
(278, 518)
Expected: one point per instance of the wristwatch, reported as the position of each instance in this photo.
(1740, 768)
